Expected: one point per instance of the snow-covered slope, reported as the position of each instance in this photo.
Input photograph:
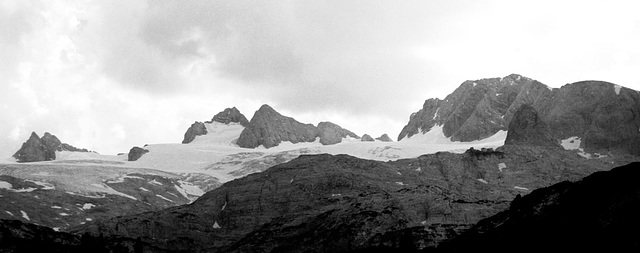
(214, 158)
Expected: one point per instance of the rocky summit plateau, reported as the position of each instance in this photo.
(498, 158)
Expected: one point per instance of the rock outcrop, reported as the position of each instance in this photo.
(384, 138)
(136, 152)
(605, 116)
(598, 213)
(230, 115)
(527, 128)
(325, 203)
(367, 137)
(197, 128)
(269, 128)
(330, 133)
(37, 149)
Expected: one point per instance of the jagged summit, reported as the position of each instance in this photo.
(197, 128)
(230, 115)
(227, 116)
(37, 149)
(269, 128)
(476, 109)
(384, 138)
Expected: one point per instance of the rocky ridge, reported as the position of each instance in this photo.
(327, 202)
(37, 149)
(605, 116)
(269, 128)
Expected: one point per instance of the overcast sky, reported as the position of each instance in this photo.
(108, 75)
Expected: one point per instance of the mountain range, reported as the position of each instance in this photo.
(322, 187)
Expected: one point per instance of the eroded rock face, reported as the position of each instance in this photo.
(367, 137)
(37, 149)
(598, 213)
(384, 138)
(333, 203)
(136, 152)
(527, 128)
(197, 128)
(230, 115)
(330, 133)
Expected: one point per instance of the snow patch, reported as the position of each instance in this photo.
(64, 214)
(216, 225)
(474, 84)
(57, 229)
(45, 186)
(571, 143)
(56, 207)
(336, 195)
(122, 178)
(154, 181)
(9, 213)
(6, 185)
(163, 197)
(143, 189)
(224, 206)
(88, 219)
(188, 190)
(88, 206)
(520, 188)
(110, 190)
(400, 183)
(419, 169)
(482, 180)
(501, 166)
(24, 215)
(436, 113)
(617, 89)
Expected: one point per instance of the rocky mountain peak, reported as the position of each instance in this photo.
(197, 128)
(230, 115)
(384, 138)
(37, 149)
(268, 128)
(527, 128)
(331, 133)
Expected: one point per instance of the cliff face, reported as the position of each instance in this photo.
(527, 128)
(605, 116)
(477, 109)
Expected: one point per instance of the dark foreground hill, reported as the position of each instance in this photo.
(597, 214)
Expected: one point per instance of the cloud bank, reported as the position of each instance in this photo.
(110, 75)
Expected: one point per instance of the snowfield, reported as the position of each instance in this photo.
(215, 157)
